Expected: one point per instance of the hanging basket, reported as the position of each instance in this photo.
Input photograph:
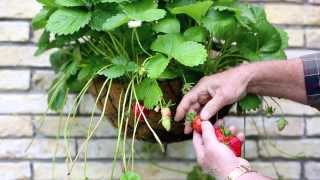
(171, 90)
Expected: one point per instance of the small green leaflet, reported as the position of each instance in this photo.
(188, 53)
(198, 174)
(156, 65)
(196, 10)
(282, 123)
(67, 21)
(114, 71)
(144, 10)
(168, 25)
(149, 92)
(99, 17)
(119, 67)
(250, 102)
(43, 43)
(130, 175)
(70, 3)
(197, 34)
(40, 20)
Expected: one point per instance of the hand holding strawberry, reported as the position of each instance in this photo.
(213, 154)
(223, 134)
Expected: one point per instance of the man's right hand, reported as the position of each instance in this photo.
(213, 93)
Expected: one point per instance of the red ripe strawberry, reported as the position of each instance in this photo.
(219, 134)
(196, 124)
(138, 109)
(235, 145)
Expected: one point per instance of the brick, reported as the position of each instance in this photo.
(42, 79)
(95, 171)
(313, 38)
(39, 149)
(36, 36)
(314, 1)
(14, 79)
(78, 126)
(312, 170)
(28, 103)
(181, 150)
(298, 148)
(279, 14)
(17, 170)
(313, 125)
(14, 31)
(98, 148)
(87, 104)
(292, 108)
(19, 8)
(289, 170)
(296, 37)
(22, 56)
(238, 122)
(295, 126)
(294, 53)
(149, 171)
(251, 149)
(15, 126)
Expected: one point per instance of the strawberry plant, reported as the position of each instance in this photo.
(138, 57)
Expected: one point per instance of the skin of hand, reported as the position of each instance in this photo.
(270, 78)
(215, 157)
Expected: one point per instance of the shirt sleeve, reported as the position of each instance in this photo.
(311, 67)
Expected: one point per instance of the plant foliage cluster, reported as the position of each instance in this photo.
(140, 43)
(172, 40)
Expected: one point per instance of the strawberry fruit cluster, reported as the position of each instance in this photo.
(223, 134)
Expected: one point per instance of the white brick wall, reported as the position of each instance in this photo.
(24, 80)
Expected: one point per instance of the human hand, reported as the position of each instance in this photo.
(213, 93)
(213, 156)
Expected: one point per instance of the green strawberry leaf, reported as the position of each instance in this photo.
(48, 3)
(156, 65)
(114, 22)
(109, 1)
(43, 43)
(70, 3)
(130, 175)
(197, 34)
(168, 73)
(219, 24)
(56, 99)
(115, 71)
(40, 20)
(282, 123)
(167, 43)
(190, 53)
(144, 10)
(250, 102)
(168, 25)
(196, 10)
(67, 21)
(149, 92)
(100, 16)
(284, 38)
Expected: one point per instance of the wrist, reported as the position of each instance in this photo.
(250, 76)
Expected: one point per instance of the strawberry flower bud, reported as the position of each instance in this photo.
(134, 24)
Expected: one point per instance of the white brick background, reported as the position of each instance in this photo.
(24, 80)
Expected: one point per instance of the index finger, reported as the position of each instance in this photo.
(187, 101)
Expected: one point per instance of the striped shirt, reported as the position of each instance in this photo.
(311, 66)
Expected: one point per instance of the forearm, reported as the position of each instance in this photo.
(253, 175)
(284, 79)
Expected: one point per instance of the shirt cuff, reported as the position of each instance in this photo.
(311, 67)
